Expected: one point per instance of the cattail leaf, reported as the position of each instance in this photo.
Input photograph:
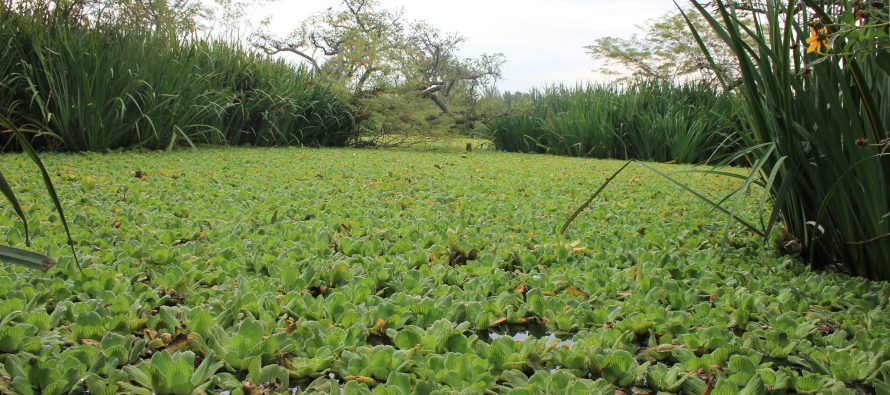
(26, 258)
(10, 196)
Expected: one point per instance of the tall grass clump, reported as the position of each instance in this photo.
(818, 125)
(647, 120)
(78, 85)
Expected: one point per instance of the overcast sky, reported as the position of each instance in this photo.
(543, 40)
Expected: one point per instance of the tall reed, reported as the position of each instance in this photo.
(818, 130)
(647, 120)
(78, 87)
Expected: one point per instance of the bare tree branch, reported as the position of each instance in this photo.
(293, 50)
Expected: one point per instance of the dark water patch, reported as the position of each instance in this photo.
(376, 339)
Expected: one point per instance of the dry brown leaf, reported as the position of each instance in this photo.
(362, 379)
(574, 292)
(521, 289)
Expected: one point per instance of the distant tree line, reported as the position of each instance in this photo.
(369, 49)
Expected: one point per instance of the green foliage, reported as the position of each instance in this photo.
(818, 133)
(369, 49)
(19, 256)
(249, 345)
(171, 374)
(667, 379)
(405, 113)
(233, 283)
(646, 120)
(619, 367)
(110, 86)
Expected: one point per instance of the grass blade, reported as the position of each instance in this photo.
(10, 195)
(47, 181)
(705, 199)
(595, 194)
(31, 260)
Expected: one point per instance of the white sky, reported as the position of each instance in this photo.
(543, 40)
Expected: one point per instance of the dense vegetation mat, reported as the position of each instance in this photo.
(250, 270)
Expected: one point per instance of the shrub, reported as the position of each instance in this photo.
(647, 120)
(818, 128)
(78, 87)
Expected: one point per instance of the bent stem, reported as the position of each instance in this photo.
(595, 194)
(47, 181)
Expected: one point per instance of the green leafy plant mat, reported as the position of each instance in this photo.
(262, 270)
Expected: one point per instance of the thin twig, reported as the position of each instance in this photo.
(595, 194)
(871, 240)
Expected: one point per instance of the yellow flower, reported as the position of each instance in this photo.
(817, 40)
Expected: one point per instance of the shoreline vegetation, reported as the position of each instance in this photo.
(191, 215)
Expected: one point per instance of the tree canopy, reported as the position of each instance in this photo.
(367, 48)
(664, 50)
